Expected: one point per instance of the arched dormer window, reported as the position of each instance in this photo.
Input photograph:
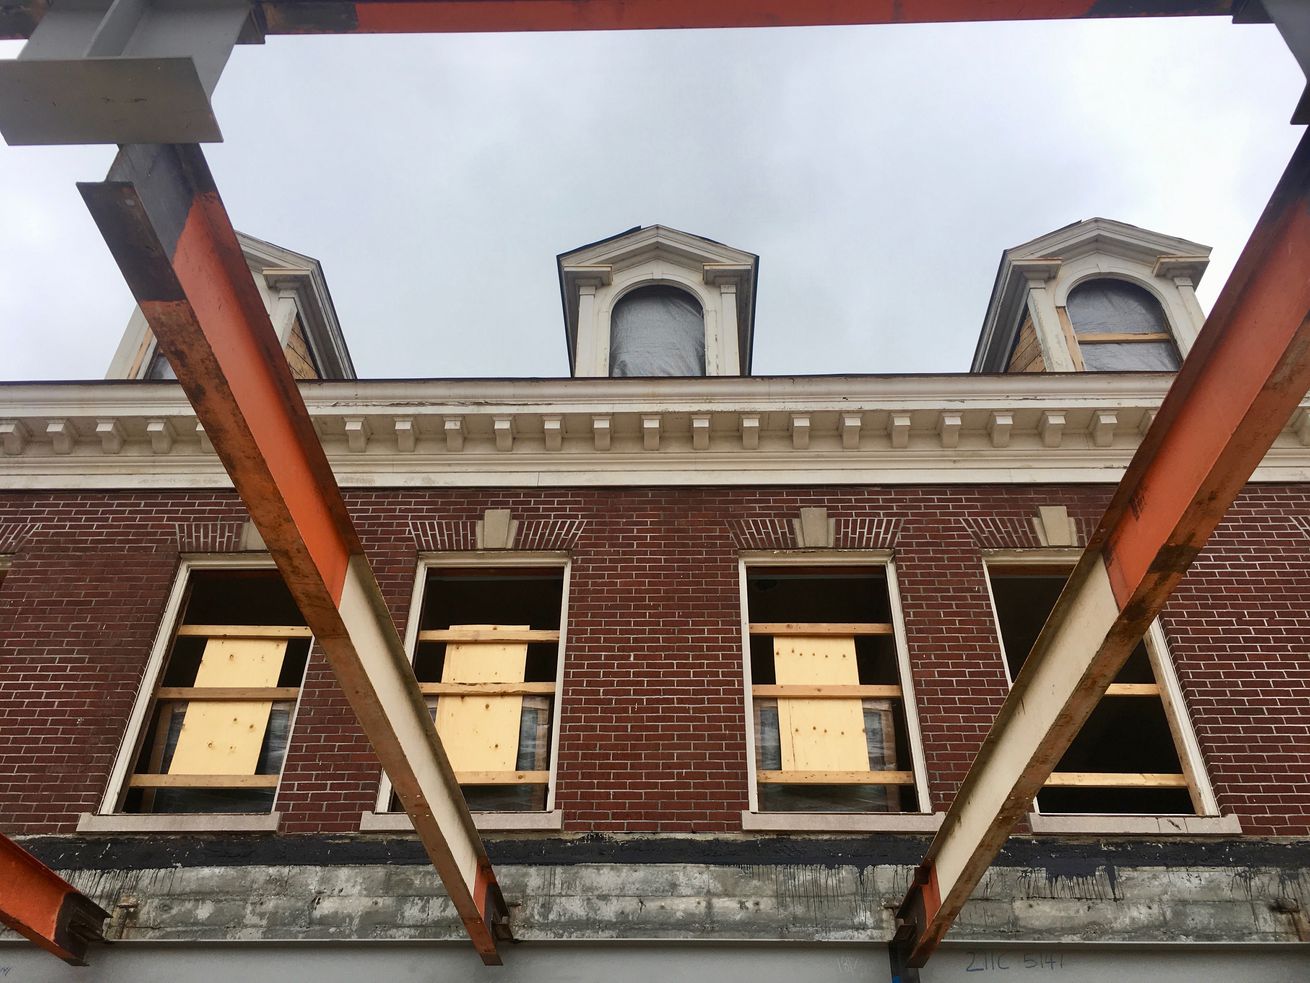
(1119, 326)
(657, 330)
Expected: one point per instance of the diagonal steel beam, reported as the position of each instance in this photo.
(1246, 375)
(39, 904)
(164, 222)
(18, 18)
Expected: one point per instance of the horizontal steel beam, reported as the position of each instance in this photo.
(166, 226)
(1246, 374)
(19, 17)
(39, 904)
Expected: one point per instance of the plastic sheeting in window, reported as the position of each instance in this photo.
(657, 331)
(880, 740)
(1140, 356)
(1116, 307)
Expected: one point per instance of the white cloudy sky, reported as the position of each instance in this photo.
(878, 172)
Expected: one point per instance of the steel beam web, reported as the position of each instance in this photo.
(164, 222)
(1246, 375)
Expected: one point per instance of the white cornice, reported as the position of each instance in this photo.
(587, 432)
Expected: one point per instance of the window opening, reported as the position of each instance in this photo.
(217, 728)
(830, 728)
(487, 661)
(1120, 326)
(657, 331)
(1125, 760)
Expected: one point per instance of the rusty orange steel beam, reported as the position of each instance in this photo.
(436, 16)
(164, 222)
(19, 17)
(1245, 376)
(39, 904)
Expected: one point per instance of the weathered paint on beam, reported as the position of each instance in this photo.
(39, 904)
(1245, 376)
(451, 16)
(168, 230)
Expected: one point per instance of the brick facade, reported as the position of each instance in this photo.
(653, 728)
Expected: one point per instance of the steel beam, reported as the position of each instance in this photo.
(164, 222)
(19, 17)
(1246, 375)
(39, 904)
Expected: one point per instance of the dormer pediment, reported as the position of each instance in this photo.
(719, 278)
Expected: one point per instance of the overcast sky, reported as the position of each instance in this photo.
(878, 172)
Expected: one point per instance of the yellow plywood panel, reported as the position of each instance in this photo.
(481, 733)
(819, 735)
(225, 738)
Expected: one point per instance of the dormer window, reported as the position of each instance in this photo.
(1095, 296)
(1120, 327)
(658, 302)
(294, 293)
(657, 331)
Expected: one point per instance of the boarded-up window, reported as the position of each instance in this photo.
(487, 661)
(216, 732)
(1120, 327)
(657, 331)
(829, 708)
(1126, 758)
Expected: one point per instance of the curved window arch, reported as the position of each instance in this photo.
(1120, 326)
(657, 330)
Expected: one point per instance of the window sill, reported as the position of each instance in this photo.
(179, 823)
(1136, 825)
(486, 822)
(841, 822)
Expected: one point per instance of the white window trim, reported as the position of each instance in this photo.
(924, 820)
(109, 819)
(1208, 821)
(380, 819)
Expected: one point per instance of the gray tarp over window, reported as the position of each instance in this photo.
(1115, 307)
(657, 331)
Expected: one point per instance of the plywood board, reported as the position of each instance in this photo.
(481, 733)
(819, 734)
(224, 738)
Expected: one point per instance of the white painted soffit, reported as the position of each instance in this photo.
(798, 430)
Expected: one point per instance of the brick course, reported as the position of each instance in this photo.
(653, 728)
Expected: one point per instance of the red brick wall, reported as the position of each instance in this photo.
(652, 736)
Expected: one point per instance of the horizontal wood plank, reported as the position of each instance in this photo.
(503, 777)
(243, 631)
(203, 781)
(1113, 779)
(773, 692)
(487, 689)
(1133, 689)
(835, 777)
(844, 629)
(272, 694)
(483, 635)
(1110, 337)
